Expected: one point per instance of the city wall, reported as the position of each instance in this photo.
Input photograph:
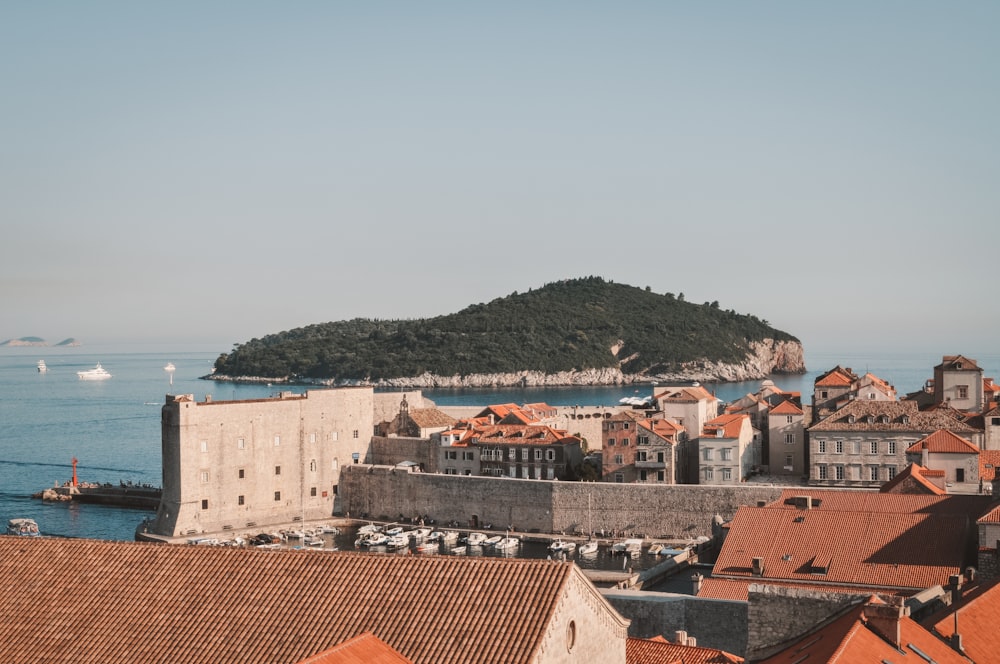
(663, 511)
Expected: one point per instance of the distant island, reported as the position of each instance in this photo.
(37, 341)
(586, 331)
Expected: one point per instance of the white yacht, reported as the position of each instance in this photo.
(97, 373)
(41, 366)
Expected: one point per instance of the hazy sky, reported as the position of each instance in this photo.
(218, 171)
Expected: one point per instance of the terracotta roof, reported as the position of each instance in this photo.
(993, 516)
(978, 614)
(943, 442)
(665, 428)
(430, 418)
(786, 407)
(686, 394)
(661, 651)
(868, 549)
(89, 601)
(521, 434)
(957, 362)
(836, 377)
(739, 589)
(855, 638)
(989, 461)
(730, 424)
(363, 649)
(914, 478)
(967, 506)
(901, 416)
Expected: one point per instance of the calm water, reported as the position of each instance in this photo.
(113, 427)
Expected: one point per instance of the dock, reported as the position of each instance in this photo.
(129, 496)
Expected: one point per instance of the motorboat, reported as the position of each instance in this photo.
(369, 529)
(475, 539)
(457, 550)
(629, 547)
(562, 546)
(170, 367)
(97, 373)
(420, 534)
(397, 530)
(587, 548)
(507, 543)
(23, 527)
(41, 366)
(372, 539)
(491, 541)
(655, 549)
(398, 541)
(435, 536)
(312, 540)
(329, 530)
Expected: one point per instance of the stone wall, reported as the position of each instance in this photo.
(391, 450)
(678, 511)
(714, 623)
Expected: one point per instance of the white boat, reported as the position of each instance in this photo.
(372, 539)
(170, 367)
(329, 530)
(655, 549)
(420, 534)
(397, 530)
(507, 543)
(312, 540)
(457, 550)
(41, 366)
(491, 541)
(475, 539)
(23, 527)
(97, 373)
(398, 541)
(369, 529)
(562, 546)
(435, 536)
(627, 547)
(588, 548)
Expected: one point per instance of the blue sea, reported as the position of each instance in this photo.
(112, 427)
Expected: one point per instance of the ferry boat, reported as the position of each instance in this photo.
(97, 373)
(41, 366)
(23, 527)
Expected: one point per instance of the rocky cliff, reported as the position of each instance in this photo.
(767, 357)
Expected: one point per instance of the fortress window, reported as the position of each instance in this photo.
(204, 476)
(242, 473)
(312, 465)
(277, 470)
(355, 434)
(312, 438)
(277, 495)
(277, 441)
(204, 446)
(312, 492)
(241, 444)
(239, 500)
(204, 504)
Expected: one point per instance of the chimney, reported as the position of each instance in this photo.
(955, 587)
(757, 569)
(681, 637)
(884, 619)
(696, 580)
(208, 398)
(925, 457)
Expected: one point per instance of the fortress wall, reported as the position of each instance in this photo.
(681, 511)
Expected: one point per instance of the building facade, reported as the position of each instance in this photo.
(726, 450)
(231, 465)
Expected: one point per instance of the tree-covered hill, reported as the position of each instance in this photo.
(569, 325)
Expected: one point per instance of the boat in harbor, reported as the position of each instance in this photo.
(97, 373)
(475, 539)
(41, 367)
(562, 546)
(507, 544)
(491, 541)
(398, 541)
(628, 547)
(23, 527)
(587, 548)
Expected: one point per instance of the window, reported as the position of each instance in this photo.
(873, 447)
(450, 471)
(640, 456)
(963, 391)
(277, 470)
(204, 504)
(789, 439)
(706, 454)
(277, 495)
(856, 447)
(619, 478)
(511, 453)
(995, 421)
(624, 442)
(890, 472)
(277, 441)
(839, 472)
(239, 500)
(242, 473)
(839, 447)
(892, 446)
(550, 455)
(538, 455)
(619, 460)
(788, 419)
(624, 425)
(873, 473)
(513, 471)
(642, 475)
(821, 446)
(960, 474)
(524, 454)
(727, 473)
(611, 442)
(241, 444)
(204, 446)
(312, 438)
(660, 476)
(642, 440)
(822, 472)
(204, 476)
(312, 491)
(726, 454)
(709, 474)
(468, 456)
(355, 434)
(788, 460)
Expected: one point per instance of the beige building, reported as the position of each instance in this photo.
(691, 407)
(958, 382)
(726, 450)
(231, 465)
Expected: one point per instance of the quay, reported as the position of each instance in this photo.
(125, 494)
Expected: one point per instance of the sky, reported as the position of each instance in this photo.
(213, 172)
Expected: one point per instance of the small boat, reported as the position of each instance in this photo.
(372, 539)
(435, 536)
(97, 373)
(475, 539)
(369, 528)
(588, 548)
(630, 547)
(562, 546)
(457, 550)
(507, 543)
(655, 549)
(312, 540)
(450, 536)
(397, 530)
(420, 534)
(23, 527)
(41, 366)
(398, 541)
(491, 541)
(330, 530)
(428, 547)
(170, 367)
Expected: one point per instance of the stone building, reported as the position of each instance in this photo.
(726, 450)
(691, 407)
(640, 449)
(230, 465)
(958, 382)
(954, 456)
(526, 451)
(786, 436)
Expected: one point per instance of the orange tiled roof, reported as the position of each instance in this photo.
(686, 394)
(901, 416)
(977, 623)
(953, 362)
(514, 434)
(853, 638)
(730, 424)
(914, 473)
(363, 649)
(989, 461)
(661, 651)
(868, 549)
(429, 418)
(943, 442)
(786, 407)
(739, 589)
(88, 601)
(965, 506)
(836, 377)
(993, 516)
